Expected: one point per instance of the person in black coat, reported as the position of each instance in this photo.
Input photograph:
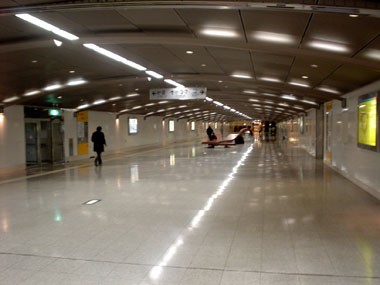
(99, 141)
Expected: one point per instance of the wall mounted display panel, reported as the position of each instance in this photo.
(368, 121)
(132, 126)
(171, 125)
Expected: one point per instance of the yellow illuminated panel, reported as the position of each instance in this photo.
(367, 121)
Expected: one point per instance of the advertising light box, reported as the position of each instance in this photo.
(368, 121)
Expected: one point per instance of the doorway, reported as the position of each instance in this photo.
(44, 141)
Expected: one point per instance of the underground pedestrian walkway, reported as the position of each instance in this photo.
(258, 213)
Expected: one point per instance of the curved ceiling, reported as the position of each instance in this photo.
(257, 60)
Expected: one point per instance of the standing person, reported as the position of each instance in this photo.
(99, 141)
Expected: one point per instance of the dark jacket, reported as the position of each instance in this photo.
(99, 141)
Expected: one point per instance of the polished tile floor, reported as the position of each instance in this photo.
(258, 213)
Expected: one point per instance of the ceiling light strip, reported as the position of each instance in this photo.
(46, 26)
(114, 56)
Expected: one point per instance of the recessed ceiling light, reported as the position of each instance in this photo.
(273, 37)
(57, 43)
(137, 89)
(189, 52)
(72, 71)
(34, 61)
(314, 65)
(328, 46)
(219, 33)
(220, 81)
(249, 91)
(203, 64)
(353, 15)
(305, 76)
(59, 97)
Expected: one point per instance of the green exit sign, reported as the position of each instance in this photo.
(54, 112)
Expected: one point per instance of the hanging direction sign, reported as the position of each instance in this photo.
(187, 93)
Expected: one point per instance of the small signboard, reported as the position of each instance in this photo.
(187, 93)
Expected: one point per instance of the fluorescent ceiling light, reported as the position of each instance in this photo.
(164, 102)
(189, 52)
(309, 102)
(254, 100)
(83, 106)
(10, 99)
(269, 95)
(209, 99)
(76, 82)
(219, 33)
(283, 104)
(299, 84)
(115, 98)
(101, 101)
(270, 79)
(149, 104)
(328, 46)
(31, 93)
(227, 107)
(289, 97)
(172, 82)
(115, 56)
(249, 91)
(374, 54)
(218, 103)
(52, 87)
(329, 90)
(244, 76)
(154, 74)
(132, 95)
(136, 107)
(46, 26)
(273, 37)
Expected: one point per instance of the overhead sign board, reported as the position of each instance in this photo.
(187, 93)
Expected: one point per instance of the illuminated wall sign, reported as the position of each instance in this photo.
(132, 125)
(368, 121)
(171, 125)
(188, 93)
(82, 129)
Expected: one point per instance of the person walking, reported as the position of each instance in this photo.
(99, 141)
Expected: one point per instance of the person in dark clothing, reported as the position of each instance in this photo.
(99, 141)
(211, 135)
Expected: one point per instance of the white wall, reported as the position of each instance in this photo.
(358, 165)
(12, 137)
(151, 131)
